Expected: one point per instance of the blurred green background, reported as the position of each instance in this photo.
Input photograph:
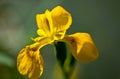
(100, 18)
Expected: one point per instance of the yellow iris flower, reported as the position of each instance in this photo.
(52, 26)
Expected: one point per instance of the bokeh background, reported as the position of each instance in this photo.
(100, 18)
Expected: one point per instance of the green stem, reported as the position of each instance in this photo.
(69, 65)
(66, 60)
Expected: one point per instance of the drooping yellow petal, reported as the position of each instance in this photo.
(61, 20)
(82, 46)
(30, 62)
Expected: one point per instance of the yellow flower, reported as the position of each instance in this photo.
(52, 26)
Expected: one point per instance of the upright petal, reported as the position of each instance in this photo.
(82, 46)
(30, 62)
(43, 24)
(61, 21)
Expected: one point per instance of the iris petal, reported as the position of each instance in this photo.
(54, 24)
(43, 25)
(30, 62)
(61, 21)
(82, 46)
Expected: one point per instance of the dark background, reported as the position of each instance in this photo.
(100, 18)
